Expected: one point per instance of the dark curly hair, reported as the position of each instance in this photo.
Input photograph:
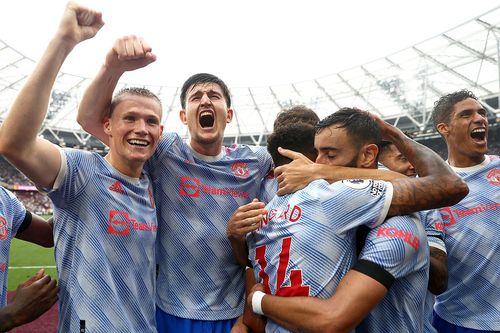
(359, 126)
(298, 137)
(443, 107)
(297, 113)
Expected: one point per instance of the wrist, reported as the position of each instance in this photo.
(257, 302)
(8, 319)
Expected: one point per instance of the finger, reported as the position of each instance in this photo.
(119, 47)
(250, 228)
(251, 206)
(42, 282)
(251, 214)
(145, 45)
(283, 190)
(278, 171)
(290, 153)
(138, 49)
(34, 278)
(250, 220)
(129, 47)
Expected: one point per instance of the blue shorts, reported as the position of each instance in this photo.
(442, 326)
(166, 323)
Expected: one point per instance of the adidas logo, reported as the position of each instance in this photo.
(117, 187)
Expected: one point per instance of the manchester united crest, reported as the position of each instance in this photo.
(240, 169)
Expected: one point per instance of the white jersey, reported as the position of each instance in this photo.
(399, 246)
(306, 242)
(199, 277)
(472, 229)
(104, 234)
(434, 229)
(12, 216)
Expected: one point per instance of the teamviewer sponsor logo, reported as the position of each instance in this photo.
(190, 187)
(447, 216)
(119, 223)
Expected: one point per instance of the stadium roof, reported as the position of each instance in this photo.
(401, 87)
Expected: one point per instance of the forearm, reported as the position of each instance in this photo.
(298, 314)
(96, 101)
(255, 322)
(20, 129)
(437, 185)
(438, 271)
(240, 251)
(337, 173)
(8, 319)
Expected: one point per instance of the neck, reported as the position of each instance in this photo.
(461, 161)
(212, 149)
(128, 168)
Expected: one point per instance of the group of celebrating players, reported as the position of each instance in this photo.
(168, 235)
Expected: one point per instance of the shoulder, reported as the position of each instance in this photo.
(7, 197)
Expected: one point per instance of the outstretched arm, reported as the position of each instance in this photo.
(128, 53)
(33, 298)
(437, 185)
(19, 142)
(356, 295)
(301, 171)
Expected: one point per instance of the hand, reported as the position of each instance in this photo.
(245, 219)
(387, 130)
(129, 53)
(79, 23)
(295, 175)
(34, 297)
(239, 326)
(256, 287)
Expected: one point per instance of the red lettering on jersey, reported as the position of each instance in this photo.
(406, 236)
(260, 253)
(3, 266)
(296, 288)
(295, 214)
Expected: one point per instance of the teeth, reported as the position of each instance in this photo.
(205, 113)
(138, 142)
(479, 130)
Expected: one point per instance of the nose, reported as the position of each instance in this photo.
(320, 159)
(479, 118)
(205, 100)
(140, 126)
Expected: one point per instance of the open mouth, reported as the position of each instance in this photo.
(206, 119)
(478, 134)
(138, 142)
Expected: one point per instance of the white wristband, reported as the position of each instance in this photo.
(257, 302)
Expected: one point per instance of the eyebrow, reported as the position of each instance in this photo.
(327, 148)
(201, 92)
